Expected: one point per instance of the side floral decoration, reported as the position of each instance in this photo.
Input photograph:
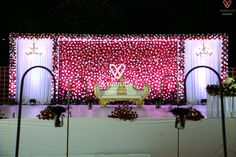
(183, 114)
(189, 113)
(228, 88)
(194, 114)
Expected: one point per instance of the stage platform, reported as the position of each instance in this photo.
(146, 112)
(93, 134)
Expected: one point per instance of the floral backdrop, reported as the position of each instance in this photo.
(146, 60)
(85, 59)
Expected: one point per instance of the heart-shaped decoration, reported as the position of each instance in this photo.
(117, 71)
(227, 3)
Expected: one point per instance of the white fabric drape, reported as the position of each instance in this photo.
(214, 106)
(37, 83)
(199, 78)
(155, 136)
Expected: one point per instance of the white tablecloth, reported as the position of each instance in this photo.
(104, 137)
(214, 106)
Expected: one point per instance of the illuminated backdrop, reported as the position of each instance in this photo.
(148, 58)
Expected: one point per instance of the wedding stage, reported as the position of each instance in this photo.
(93, 134)
(77, 63)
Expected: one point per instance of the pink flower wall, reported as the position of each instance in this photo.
(145, 60)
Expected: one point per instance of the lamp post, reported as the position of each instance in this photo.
(221, 98)
(177, 83)
(20, 104)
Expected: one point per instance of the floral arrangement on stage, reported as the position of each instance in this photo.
(189, 113)
(228, 88)
(124, 113)
(194, 114)
(50, 112)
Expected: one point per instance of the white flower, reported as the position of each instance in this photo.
(229, 80)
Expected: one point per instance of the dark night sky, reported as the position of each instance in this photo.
(116, 16)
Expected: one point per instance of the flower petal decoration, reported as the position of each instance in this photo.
(50, 112)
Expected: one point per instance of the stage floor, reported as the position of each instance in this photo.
(146, 112)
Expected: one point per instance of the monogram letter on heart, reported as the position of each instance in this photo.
(117, 71)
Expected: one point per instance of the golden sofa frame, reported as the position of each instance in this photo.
(108, 95)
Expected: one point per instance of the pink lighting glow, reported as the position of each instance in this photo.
(145, 61)
(147, 58)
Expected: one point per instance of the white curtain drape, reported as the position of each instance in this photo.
(37, 83)
(199, 78)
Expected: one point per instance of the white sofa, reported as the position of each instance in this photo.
(108, 95)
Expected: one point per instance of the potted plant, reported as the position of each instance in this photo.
(158, 101)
